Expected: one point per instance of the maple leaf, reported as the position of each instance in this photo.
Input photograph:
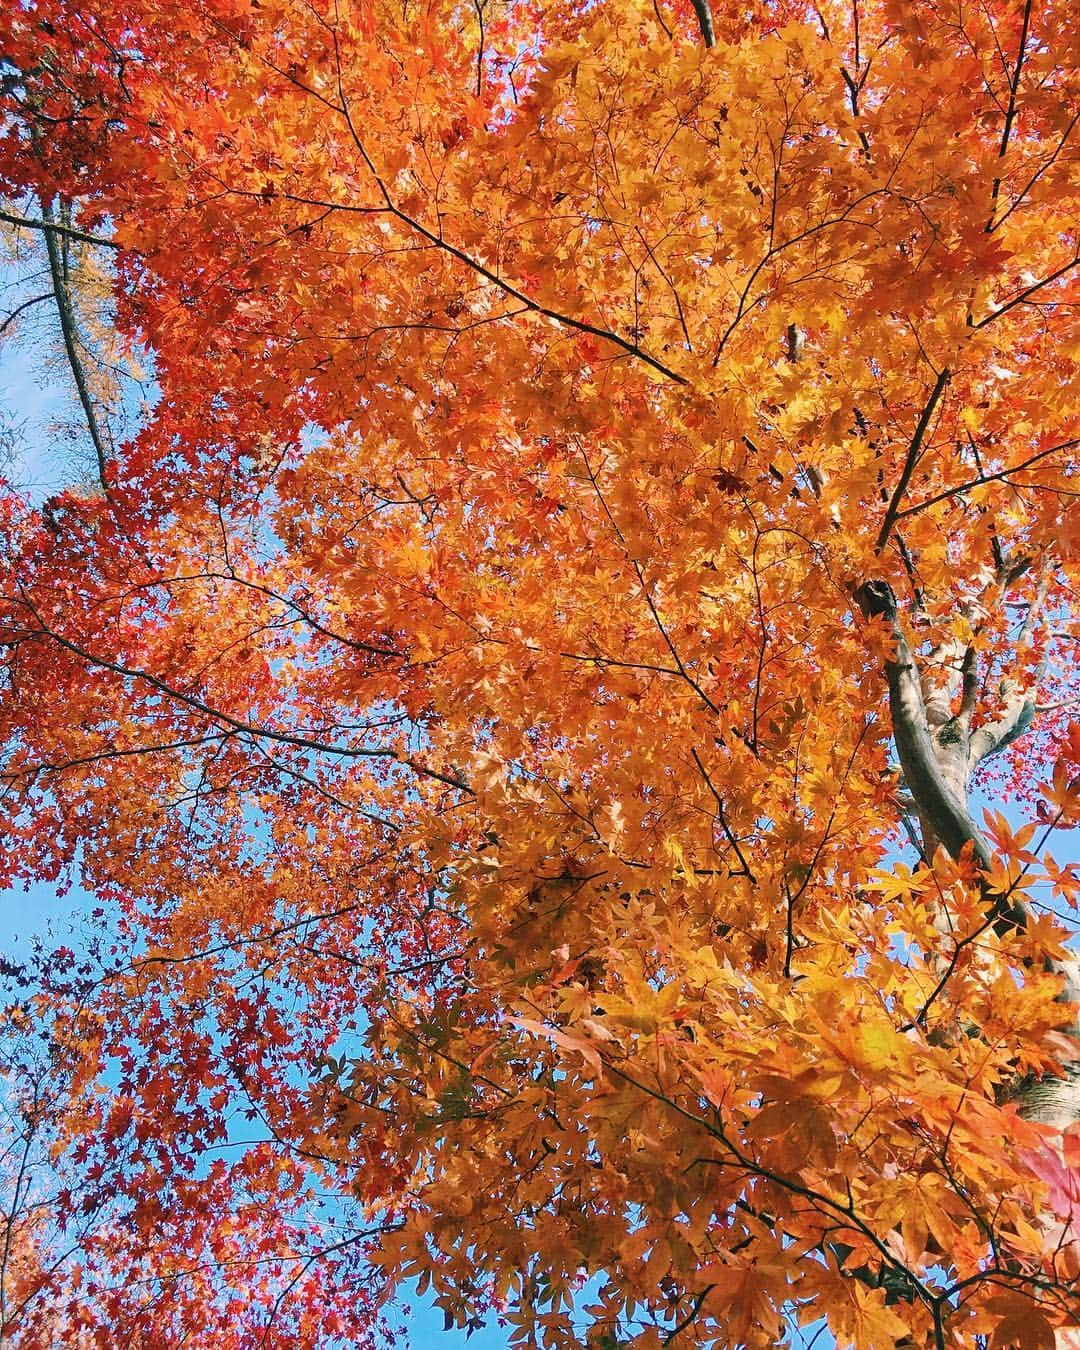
(901, 883)
(1021, 1324)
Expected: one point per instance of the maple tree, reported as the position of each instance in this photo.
(608, 494)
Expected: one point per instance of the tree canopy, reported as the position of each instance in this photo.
(522, 694)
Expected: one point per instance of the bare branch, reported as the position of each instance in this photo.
(53, 227)
(21, 309)
(705, 23)
(71, 346)
(1000, 476)
(1056, 707)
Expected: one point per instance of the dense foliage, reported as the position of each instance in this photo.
(608, 492)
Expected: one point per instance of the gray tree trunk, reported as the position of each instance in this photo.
(938, 753)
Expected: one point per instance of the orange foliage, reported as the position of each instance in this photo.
(458, 697)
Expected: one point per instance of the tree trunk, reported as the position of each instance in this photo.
(938, 752)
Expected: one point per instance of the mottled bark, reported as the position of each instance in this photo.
(703, 11)
(941, 808)
(1056, 1101)
(938, 752)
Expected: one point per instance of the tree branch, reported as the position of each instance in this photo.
(705, 23)
(21, 309)
(937, 804)
(722, 818)
(1028, 291)
(1020, 702)
(219, 715)
(1000, 476)
(70, 335)
(53, 227)
(892, 511)
(1010, 114)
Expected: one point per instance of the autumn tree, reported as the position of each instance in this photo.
(524, 696)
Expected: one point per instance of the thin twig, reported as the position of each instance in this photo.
(1028, 291)
(20, 309)
(1010, 114)
(722, 818)
(290, 738)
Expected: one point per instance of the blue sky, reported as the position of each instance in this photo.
(30, 400)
